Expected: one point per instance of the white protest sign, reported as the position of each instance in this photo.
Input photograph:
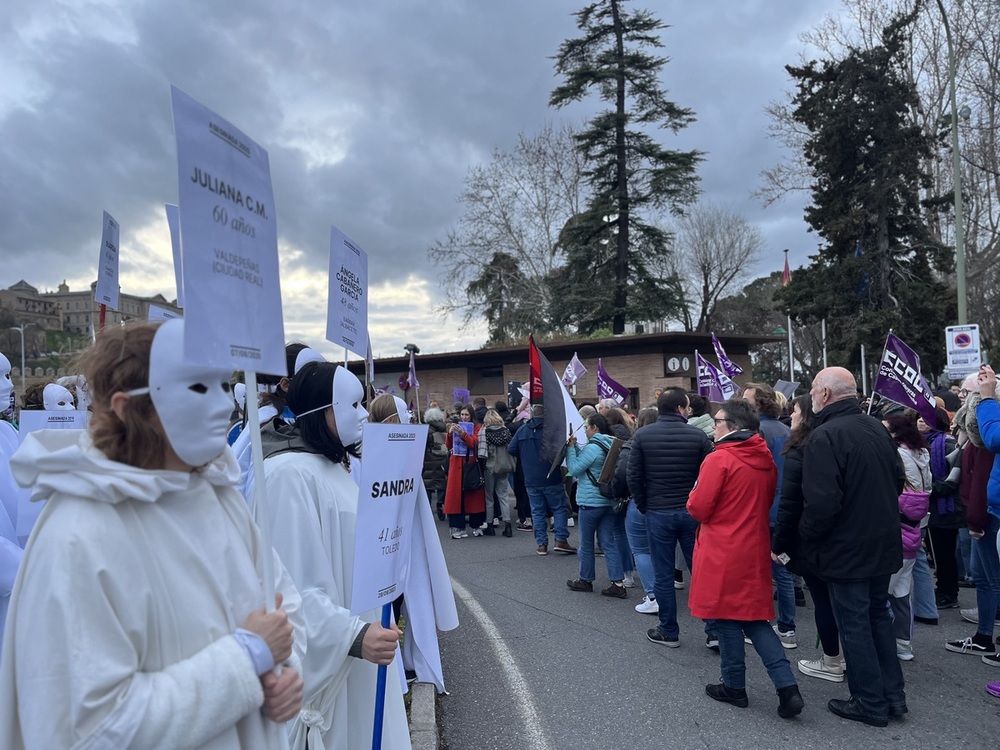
(391, 476)
(347, 305)
(174, 224)
(965, 353)
(229, 245)
(158, 313)
(32, 421)
(106, 292)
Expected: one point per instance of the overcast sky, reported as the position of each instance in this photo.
(371, 114)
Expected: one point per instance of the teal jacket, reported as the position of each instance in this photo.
(589, 458)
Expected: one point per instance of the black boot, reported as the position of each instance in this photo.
(507, 531)
(790, 702)
(489, 530)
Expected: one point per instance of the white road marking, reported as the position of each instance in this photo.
(523, 699)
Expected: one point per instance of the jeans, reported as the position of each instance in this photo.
(599, 519)
(987, 576)
(545, 499)
(826, 623)
(733, 653)
(786, 596)
(497, 486)
(963, 553)
(621, 542)
(924, 601)
(873, 674)
(635, 528)
(665, 528)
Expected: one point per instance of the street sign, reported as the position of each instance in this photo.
(963, 349)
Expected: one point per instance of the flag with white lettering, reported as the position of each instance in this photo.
(728, 366)
(574, 371)
(899, 379)
(609, 388)
(713, 384)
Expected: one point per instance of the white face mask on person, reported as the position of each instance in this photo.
(57, 398)
(192, 402)
(6, 384)
(348, 413)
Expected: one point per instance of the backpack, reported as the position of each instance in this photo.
(605, 483)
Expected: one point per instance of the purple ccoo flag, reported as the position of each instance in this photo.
(712, 384)
(608, 388)
(899, 379)
(574, 371)
(728, 366)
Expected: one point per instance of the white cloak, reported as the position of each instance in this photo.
(121, 621)
(313, 510)
(10, 548)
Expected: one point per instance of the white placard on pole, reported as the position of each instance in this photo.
(347, 304)
(174, 225)
(389, 485)
(32, 421)
(106, 292)
(158, 313)
(229, 246)
(964, 350)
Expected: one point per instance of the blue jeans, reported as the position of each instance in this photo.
(548, 498)
(963, 553)
(733, 654)
(621, 542)
(986, 574)
(665, 528)
(635, 528)
(873, 675)
(924, 601)
(599, 519)
(785, 588)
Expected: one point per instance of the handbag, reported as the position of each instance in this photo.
(472, 476)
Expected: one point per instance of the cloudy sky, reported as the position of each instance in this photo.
(371, 113)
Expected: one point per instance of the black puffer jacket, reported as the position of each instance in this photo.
(664, 461)
(785, 538)
(852, 478)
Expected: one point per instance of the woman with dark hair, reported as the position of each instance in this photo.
(947, 513)
(635, 523)
(596, 514)
(307, 469)
(785, 541)
(459, 502)
(913, 504)
(699, 415)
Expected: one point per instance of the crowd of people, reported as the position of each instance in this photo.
(761, 500)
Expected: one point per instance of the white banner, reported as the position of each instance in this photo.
(229, 246)
(158, 313)
(106, 292)
(965, 353)
(389, 484)
(347, 304)
(174, 225)
(32, 421)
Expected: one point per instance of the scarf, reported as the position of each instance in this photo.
(940, 469)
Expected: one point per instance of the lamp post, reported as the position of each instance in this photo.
(956, 167)
(20, 329)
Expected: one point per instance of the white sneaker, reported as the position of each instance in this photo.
(571, 521)
(459, 533)
(496, 521)
(970, 615)
(678, 585)
(787, 638)
(648, 606)
(477, 532)
(629, 581)
(904, 650)
(830, 668)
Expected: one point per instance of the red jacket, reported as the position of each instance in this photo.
(731, 579)
(455, 500)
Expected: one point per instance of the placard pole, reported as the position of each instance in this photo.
(259, 490)
(380, 687)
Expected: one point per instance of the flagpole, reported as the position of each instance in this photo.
(884, 347)
(791, 357)
(824, 342)
(864, 372)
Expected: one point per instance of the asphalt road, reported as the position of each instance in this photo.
(536, 666)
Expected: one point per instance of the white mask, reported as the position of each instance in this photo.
(57, 398)
(6, 384)
(306, 356)
(240, 395)
(401, 410)
(193, 402)
(348, 413)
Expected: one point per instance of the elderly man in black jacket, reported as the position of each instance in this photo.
(662, 468)
(849, 535)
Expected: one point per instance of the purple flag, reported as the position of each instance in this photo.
(899, 379)
(712, 384)
(608, 388)
(411, 377)
(574, 371)
(462, 395)
(728, 366)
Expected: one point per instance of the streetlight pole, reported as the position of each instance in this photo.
(956, 167)
(20, 329)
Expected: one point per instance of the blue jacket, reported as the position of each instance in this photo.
(988, 416)
(775, 434)
(586, 462)
(526, 445)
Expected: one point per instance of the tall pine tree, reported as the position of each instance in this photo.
(881, 267)
(628, 171)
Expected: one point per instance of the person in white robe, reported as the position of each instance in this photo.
(312, 512)
(137, 618)
(10, 549)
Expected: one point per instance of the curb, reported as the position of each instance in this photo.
(423, 719)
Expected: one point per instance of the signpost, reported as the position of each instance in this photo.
(963, 349)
